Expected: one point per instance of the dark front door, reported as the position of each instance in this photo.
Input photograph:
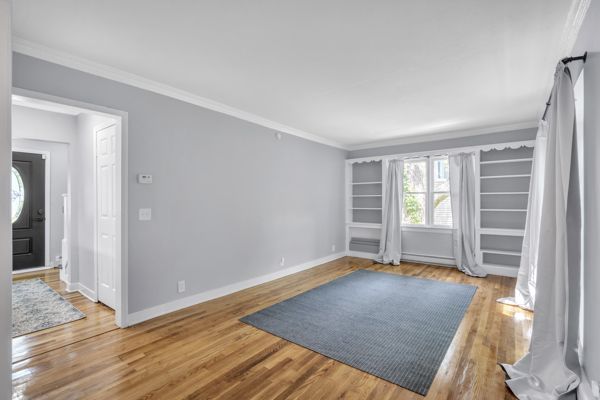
(28, 214)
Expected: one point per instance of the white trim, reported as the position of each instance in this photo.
(47, 213)
(505, 176)
(501, 270)
(36, 269)
(83, 290)
(68, 60)
(503, 252)
(510, 160)
(72, 286)
(87, 292)
(156, 311)
(501, 193)
(416, 138)
(442, 152)
(502, 231)
(122, 118)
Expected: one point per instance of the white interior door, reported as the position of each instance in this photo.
(106, 169)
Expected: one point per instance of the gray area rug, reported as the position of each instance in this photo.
(37, 306)
(392, 326)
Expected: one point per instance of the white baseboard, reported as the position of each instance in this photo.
(156, 311)
(24, 271)
(87, 292)
(72, 286)
(84, 290)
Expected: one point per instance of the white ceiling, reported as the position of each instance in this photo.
(350, 72)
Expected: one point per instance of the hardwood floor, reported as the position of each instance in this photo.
(99, 319)
(204, 351)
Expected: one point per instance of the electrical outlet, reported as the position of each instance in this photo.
(282, 262)
(333, 248)
(145, 214)
(180, 286)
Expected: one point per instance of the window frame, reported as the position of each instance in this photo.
(429, 193)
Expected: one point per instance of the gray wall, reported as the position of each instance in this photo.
(228, 199)
(589, 40)
(498, 137)
(59, 170)
(5, 224)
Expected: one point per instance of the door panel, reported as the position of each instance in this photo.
(106, 214)
(29, 214)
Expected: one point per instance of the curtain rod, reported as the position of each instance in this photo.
(565, 61)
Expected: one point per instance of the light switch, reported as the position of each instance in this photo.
(145, 179)
(145, 214)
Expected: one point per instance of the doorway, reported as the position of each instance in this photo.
(92, 249)
(28, 213)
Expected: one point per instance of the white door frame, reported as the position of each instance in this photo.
(121, 117)
(46, 156)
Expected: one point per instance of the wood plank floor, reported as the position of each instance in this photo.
(204, 352)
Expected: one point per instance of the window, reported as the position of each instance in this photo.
(414, 204)
(17, 195)
(442, 211)
(426, 192)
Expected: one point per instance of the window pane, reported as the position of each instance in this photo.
(440, 175)
(415, 176)
(413, 209)
(442, 211)
(17, 195)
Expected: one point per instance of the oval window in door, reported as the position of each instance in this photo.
(17, 194)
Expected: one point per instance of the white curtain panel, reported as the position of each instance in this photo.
(463, 200)
(390, 244)
(551, 369)
(525, 288)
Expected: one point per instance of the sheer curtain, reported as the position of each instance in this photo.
(526, 278)
(463, 200)
(390, 243)
(551, 369)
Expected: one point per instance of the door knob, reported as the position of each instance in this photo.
(40, 219)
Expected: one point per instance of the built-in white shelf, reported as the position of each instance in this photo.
(502, 232)
(503, 209)
(363, 225)
(366, 183)
(505, 176)
(504, 270)
(366, 195)
(510, 253)
(365, 208)
(495, 193)
(506, 161)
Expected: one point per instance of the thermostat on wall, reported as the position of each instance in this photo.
(144, 178)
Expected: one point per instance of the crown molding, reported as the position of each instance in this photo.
(45, 53)
(415, 138)
(572, 26)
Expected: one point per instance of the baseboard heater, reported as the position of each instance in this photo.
(364, 245)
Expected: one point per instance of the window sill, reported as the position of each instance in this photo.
(425, 228)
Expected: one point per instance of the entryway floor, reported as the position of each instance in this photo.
(99, 319)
